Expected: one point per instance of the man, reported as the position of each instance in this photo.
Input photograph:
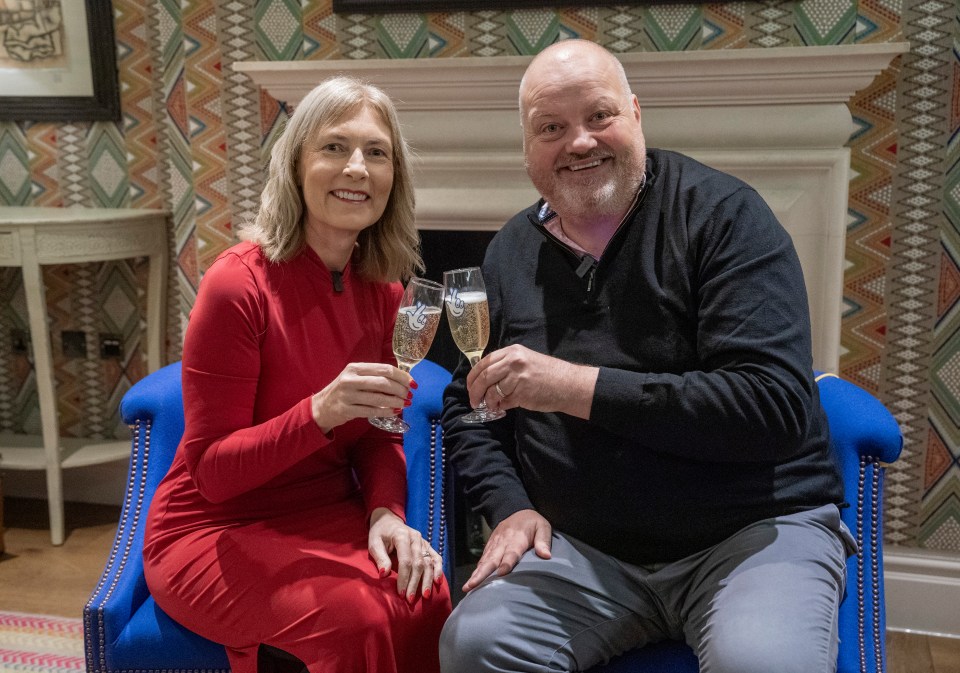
(664, 468)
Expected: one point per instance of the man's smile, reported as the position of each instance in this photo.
(585, 164)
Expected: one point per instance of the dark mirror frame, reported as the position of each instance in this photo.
(419, 6)
(104, 104)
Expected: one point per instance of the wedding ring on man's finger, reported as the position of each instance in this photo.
(496, 387)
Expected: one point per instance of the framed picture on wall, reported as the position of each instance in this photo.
(417, 6)
(58, 61)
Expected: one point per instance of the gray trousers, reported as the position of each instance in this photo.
(765, 600)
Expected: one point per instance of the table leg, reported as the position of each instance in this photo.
(156, 301)
(43, 370)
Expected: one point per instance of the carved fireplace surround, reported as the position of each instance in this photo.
(777, 118)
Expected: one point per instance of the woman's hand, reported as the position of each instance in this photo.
(362, 390)
(419, 567)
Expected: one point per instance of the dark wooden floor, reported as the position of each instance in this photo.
(39, 578)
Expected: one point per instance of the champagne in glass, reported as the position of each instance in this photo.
(469, 315)
(413, 332)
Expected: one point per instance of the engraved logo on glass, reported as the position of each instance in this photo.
(416, 317)
(455, 303)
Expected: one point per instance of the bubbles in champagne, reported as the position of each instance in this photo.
(469, 317)
(413, 333)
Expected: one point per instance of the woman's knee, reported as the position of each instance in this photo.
(351, 608)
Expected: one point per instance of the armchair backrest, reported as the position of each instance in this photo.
(428, 484)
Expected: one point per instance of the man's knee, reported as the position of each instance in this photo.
(466, 641)
(754, 653)
(483, 634)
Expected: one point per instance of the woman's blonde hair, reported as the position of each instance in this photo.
(390, 249)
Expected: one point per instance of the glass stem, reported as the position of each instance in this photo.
(474, 359)
(404, 367)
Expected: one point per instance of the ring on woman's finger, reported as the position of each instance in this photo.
(496, 387)
(425, 554)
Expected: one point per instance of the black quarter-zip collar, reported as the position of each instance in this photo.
(588, 264)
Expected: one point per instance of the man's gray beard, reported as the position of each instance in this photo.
(610, 197)
(600, 199)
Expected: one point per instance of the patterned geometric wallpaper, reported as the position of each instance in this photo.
(194, 135)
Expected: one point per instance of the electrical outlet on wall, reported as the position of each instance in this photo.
(20, 342)
(111, 346)
(74, 344)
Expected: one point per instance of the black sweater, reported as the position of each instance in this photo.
(705, 416)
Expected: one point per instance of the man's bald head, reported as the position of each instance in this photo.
(569, 57)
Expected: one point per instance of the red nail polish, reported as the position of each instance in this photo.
(409, 395)
(408, 403)
(396, 412)
(411, 597)
(413, 384)
(426, 593)
(383, 572)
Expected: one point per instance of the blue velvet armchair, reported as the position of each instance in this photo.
(865, 437)
(124, 629)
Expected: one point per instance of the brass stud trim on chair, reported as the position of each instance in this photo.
(875, 497)
(875, 467)
(860, 579)
(443, 487)
(434, 488)
(118, 558)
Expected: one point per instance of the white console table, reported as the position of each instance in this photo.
(30, 237)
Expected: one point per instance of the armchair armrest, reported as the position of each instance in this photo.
(120, 604)
(858, 420)
(865, 438)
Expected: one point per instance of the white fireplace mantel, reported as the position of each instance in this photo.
(692, 78)
(777, 118)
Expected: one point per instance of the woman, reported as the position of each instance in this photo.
(281, 521)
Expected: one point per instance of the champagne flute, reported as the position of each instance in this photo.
(469, 315)
(413, 332)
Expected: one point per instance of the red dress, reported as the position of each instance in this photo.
(258, 534)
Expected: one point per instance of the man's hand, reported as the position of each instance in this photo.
(509, 541)
(516, 376)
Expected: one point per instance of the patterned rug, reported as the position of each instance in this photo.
(40, 643)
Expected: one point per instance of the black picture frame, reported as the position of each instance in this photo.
(103, 105)
(420, 6)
